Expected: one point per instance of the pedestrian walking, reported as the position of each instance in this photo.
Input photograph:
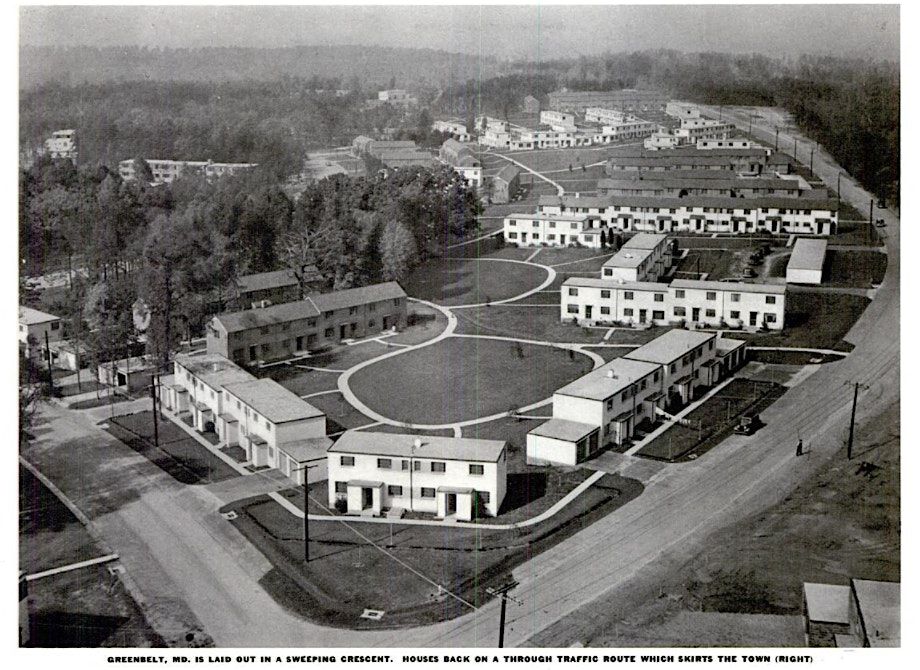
(799, 448)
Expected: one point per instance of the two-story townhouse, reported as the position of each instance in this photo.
(446, 476)
(196, 386)
(321, 319)
(688, 360)
(34, 327)
(613, 399)
(735, 304)
(552, 229)
(607, 301)
(645, 257)
(269, 288)
(273, 426)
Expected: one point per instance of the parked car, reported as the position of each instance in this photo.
(880, 223)
(749, 424)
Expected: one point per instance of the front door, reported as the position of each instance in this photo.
(588, 309)
(386, 323)
(342, 331)
(367, 497)
(642, 313)
(300, 343)
(753, 319)
(696, 314)
(252, 353)
(451, 504)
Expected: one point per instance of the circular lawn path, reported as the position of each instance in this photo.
(460, 379)
(454, 282)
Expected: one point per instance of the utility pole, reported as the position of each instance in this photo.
(156, 423)
(750, 123)
(306, 509)
(502, 592)
(856, 386)
(776, 141)
(48, 358)
(795, 148)
(871, 211)
(811, 162)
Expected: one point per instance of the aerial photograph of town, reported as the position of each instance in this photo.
(452, 327)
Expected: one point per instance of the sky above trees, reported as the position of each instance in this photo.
(530, 31)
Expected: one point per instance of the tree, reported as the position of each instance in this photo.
(142, 171)
(398, 251)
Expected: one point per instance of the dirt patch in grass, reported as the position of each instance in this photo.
(179, 454)
(346, 574)
(712, 422)
(457, 282)
(462, 378)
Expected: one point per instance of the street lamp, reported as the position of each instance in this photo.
(306, 510)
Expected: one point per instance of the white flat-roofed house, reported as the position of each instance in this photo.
(463, 161)
(593, 301)
(456, 128)
(197, 385)
(692, 130)
(456, 477)
(661, 140)
(396, 96)
(738, 305)
(166, 170)
(603, 115)
(628, 129)
(560, 121)
(34, 325)
(806, 264)
(688, 360)
(643, 257)
(273, 426)
(613, 399)
(62, 144)
(554, 230)
(589, 300)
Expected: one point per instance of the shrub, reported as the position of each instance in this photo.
(341, 505)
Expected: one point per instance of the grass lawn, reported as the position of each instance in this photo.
(560, 159)
(346, 574)
(585, 186)
(459, 379)
(534, 323)
(856, 232)
(716, 418)
(750, 242)
(426, 323)
(717, 264)
(339, 414)
(302, 382)
(609, 353)
(571, 255)
(83, 608)
(592, 173)
(179, 455)
(85, 385)
(815, 320)
(458, 282)
(102, 401)
(590, 267)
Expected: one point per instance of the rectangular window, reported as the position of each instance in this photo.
(710, 313)
(572, 309)
(769, 317)
(55, 325)
(512, 236)
(329, 332)
(627, 295)
(476, 469)
(427, 492)
(735, 297)
(710, 295)
(643, 385)
(657, 314)
(673, 368)
(438, 466)
(341, 487)
(346, 460)
(659, 297)
(628, 311)
(372, 307)
(483, 497)
(384, 463)
(605, 293)
(734, 314)
(624, 396)
(605, 310)
(405, 464)
(655, 377)
(352, 310)
(394, 490)
(573, 291)
(680, 311)
(771, 299)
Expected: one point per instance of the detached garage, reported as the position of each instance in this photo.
(806, 264)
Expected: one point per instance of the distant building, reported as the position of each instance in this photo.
(34, 325)
(864, 613)
(62, 144)
(464, 162)
(271, 288)
(627, 100)
(456, 128)
(603, 115)
(450, 477)
(725, 143)
(752, 161)
(321, 320)
(559, 121)
(505, 184)
(197, 386)
(661, 140)
(531, 105)
(629, 128)
(166, 171)
(806, 265)
(676, 185)
(134, 373)
(397, 96)
(693, 130)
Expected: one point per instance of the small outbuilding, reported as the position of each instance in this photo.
(806, 265)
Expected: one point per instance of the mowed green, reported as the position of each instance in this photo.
(459, 379)
(453, 282)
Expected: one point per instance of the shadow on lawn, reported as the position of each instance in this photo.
(522, 489)
(73, 629)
